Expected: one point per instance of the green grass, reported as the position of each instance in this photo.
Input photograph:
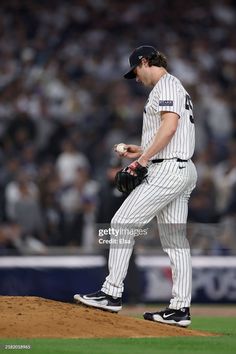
(223, 344)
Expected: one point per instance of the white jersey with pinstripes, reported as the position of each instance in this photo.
(169, 95)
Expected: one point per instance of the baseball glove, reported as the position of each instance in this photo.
(130, 177)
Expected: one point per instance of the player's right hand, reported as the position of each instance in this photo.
(133, 151)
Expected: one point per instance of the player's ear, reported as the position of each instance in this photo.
(144, 62)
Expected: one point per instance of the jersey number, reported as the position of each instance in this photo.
(189, 107)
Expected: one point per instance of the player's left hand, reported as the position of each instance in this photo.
(134, 167)
(130, 177)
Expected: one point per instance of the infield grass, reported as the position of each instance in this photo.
(223, 344)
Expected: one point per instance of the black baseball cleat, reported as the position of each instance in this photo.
(179, 317)
(100, 300)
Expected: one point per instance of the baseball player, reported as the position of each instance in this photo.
(167, 145)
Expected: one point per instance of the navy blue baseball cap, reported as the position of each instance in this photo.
(144, 51)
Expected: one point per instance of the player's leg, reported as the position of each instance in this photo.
(127, 218)
(172, 229)
(172, 223)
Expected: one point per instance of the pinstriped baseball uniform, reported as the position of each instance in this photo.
(163, 195)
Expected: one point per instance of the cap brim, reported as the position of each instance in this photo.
(130, 74)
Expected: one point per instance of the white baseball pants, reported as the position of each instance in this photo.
(164, 195)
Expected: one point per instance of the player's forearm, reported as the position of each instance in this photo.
(161, 140)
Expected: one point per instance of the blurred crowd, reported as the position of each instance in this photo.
(64, 104)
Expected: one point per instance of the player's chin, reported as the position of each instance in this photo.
(147, 84)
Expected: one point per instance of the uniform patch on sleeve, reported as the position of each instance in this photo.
(166, 103)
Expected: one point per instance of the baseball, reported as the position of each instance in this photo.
(121, 148)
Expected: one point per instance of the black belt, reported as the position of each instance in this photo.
(161, 160)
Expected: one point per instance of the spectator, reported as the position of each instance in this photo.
(78, 204)
(224, 175)
(69, 161)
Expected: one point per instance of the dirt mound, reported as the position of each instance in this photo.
(33, 317)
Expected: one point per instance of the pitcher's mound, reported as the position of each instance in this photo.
(34, 317)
